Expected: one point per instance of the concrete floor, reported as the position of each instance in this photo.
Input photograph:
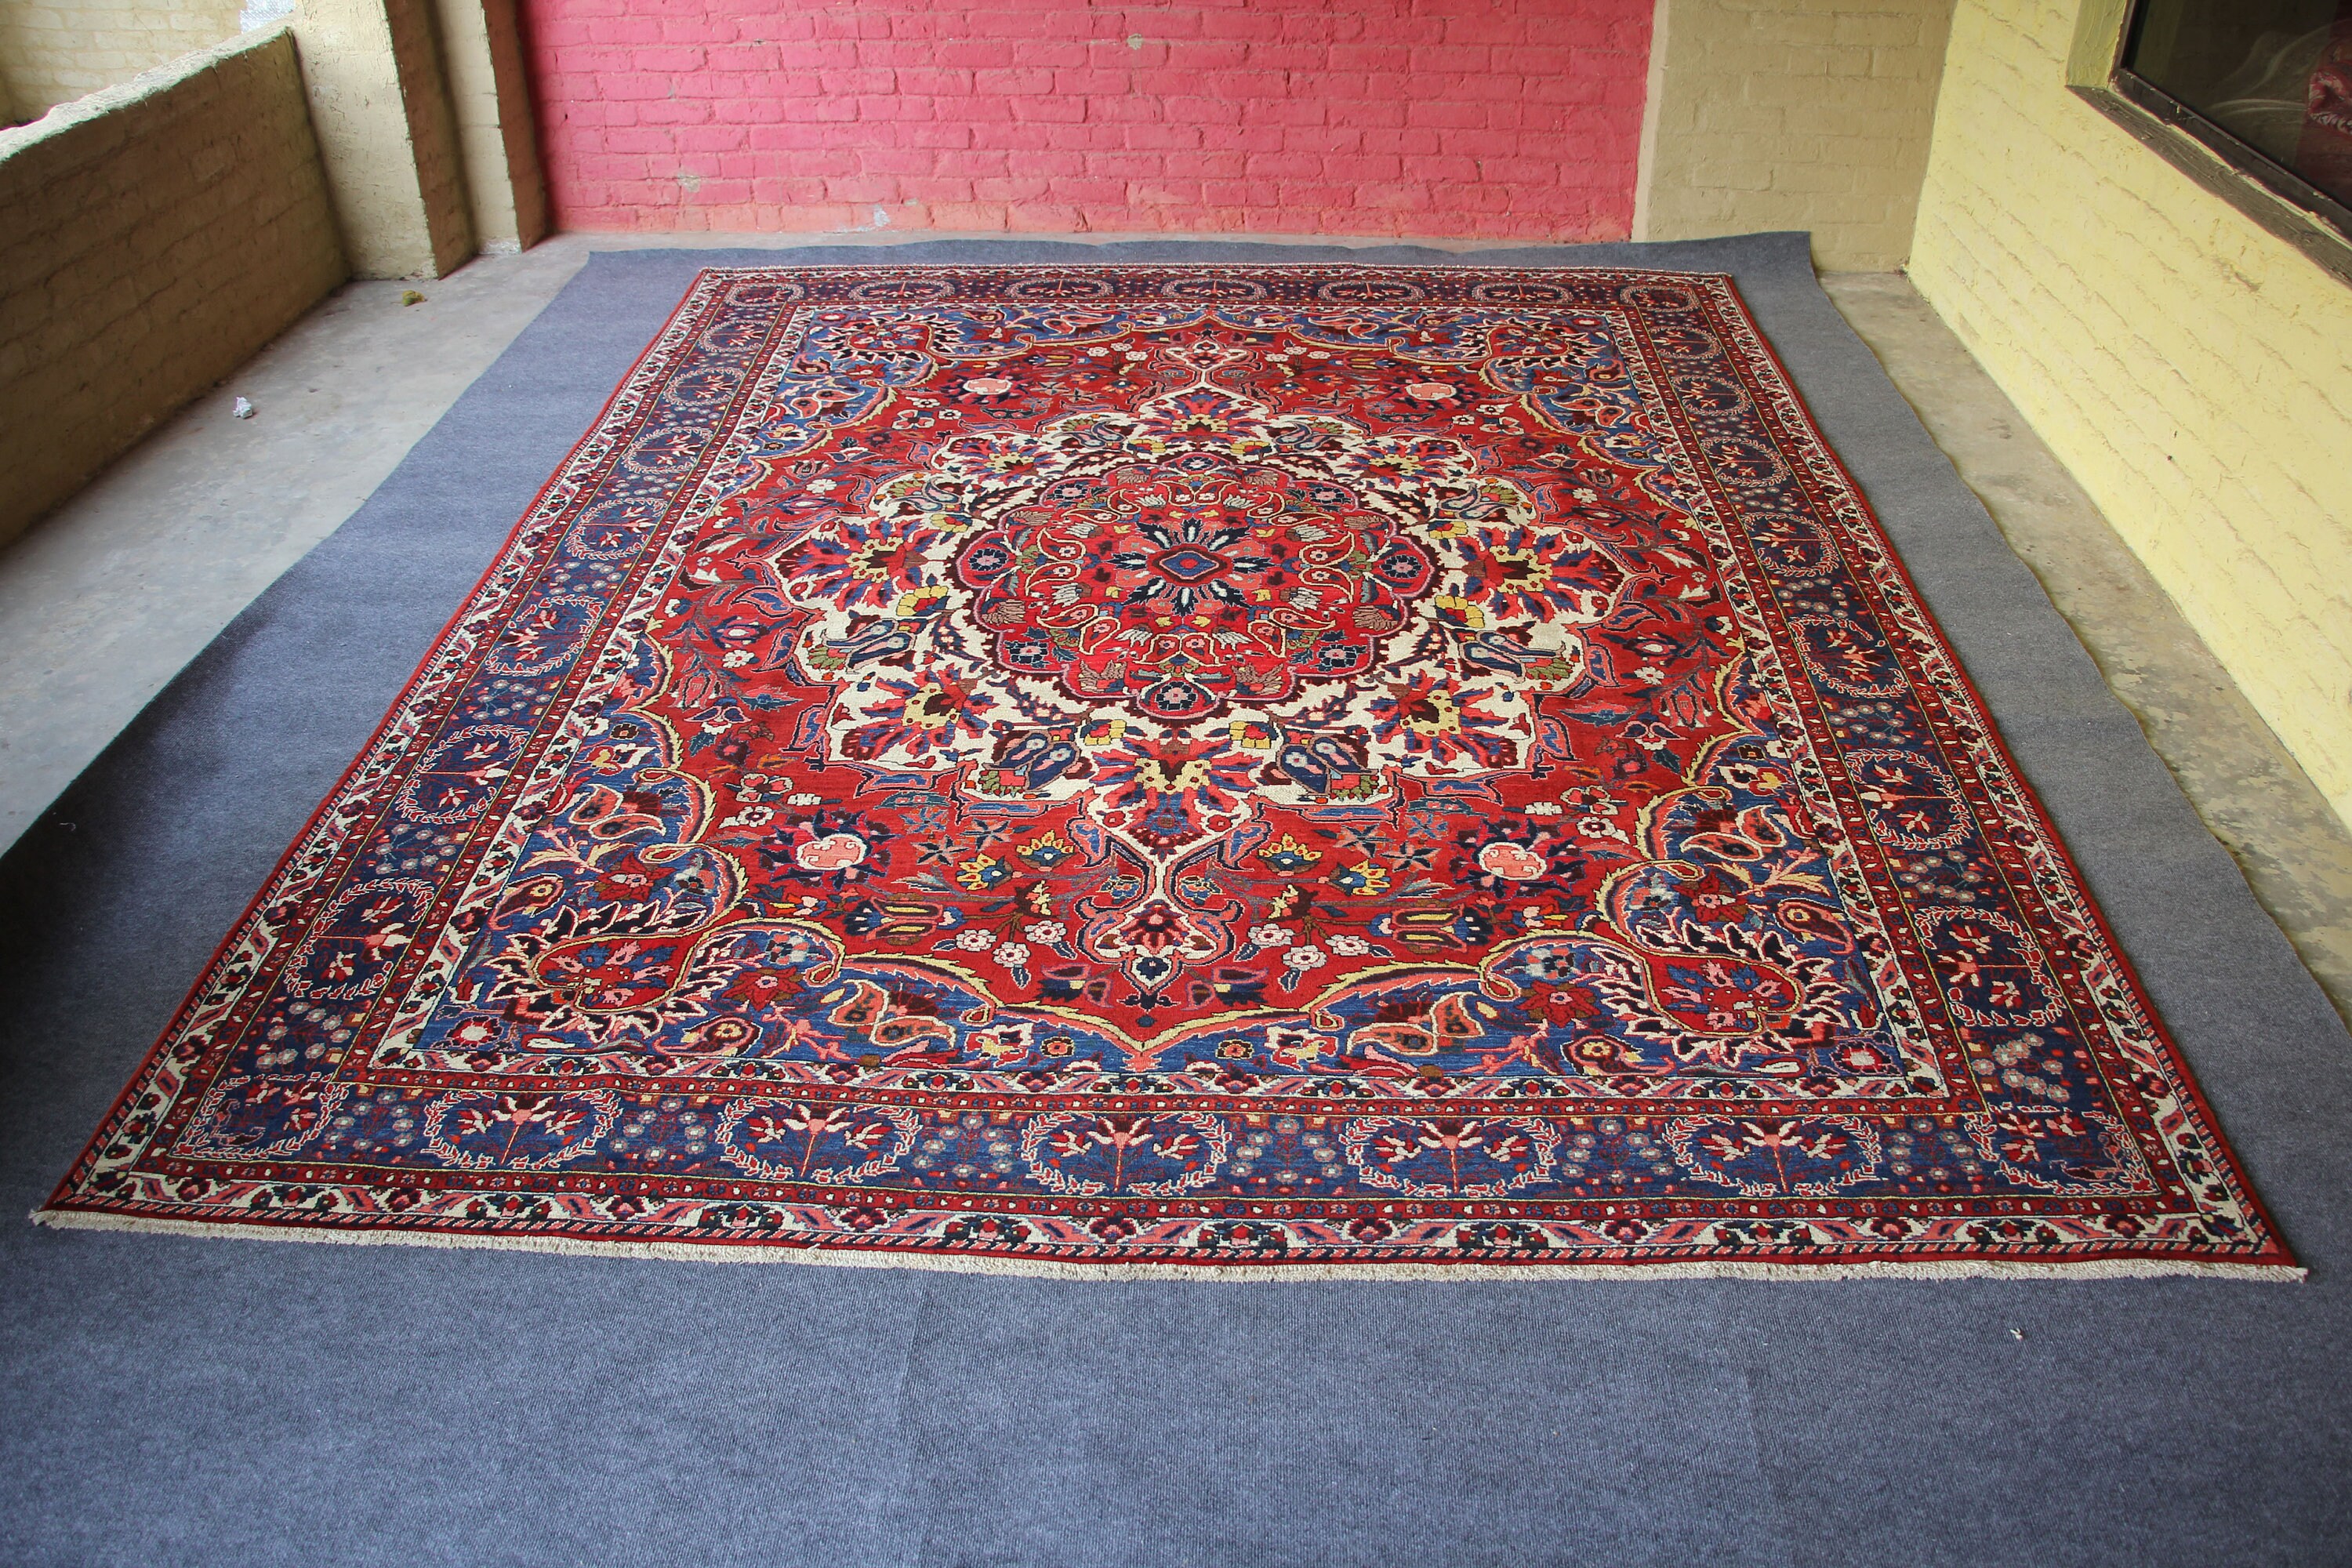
(103, 602)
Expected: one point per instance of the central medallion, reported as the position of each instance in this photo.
(1191, 608)
(1188, 565)
(1179, 589)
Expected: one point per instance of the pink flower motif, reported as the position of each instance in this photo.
(988, 386)
(1517, 861)
(831, 853)
(1428, 391)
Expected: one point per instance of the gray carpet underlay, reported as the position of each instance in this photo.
(171, 1400)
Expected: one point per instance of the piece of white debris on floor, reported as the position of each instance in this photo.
(244, 410)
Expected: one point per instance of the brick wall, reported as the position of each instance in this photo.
(52, 51)
(1811, 114)
(2194, 371)
(158, 234)
(1471, 118)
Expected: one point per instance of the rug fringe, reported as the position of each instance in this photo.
(1048, 1268)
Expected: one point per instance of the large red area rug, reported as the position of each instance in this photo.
(1057, 768)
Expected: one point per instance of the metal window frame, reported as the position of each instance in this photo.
(2290, 207)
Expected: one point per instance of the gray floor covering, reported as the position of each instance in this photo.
(171, 1400)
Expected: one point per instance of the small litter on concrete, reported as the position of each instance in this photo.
(411, 297)
(242, 410)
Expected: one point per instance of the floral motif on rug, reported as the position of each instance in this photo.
(1295, 765)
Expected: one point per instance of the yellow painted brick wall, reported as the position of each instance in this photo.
(2193, 371)
(53, 51)
(1772, 114)
(158, 234)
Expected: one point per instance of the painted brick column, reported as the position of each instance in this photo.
(386, 134)
(481, 47)
(1811, 114)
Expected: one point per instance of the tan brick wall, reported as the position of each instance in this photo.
(157, 235)
(53, 51)
(2194, 371)
(1776, 114)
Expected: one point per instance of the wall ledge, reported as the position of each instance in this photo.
(75, 113)
(160, 232)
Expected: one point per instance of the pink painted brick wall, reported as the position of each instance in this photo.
(1489, 118)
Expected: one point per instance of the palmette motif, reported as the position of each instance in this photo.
(1195, 765)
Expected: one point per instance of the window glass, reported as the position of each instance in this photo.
(2275, 74)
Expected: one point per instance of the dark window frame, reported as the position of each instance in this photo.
(2287, 205)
